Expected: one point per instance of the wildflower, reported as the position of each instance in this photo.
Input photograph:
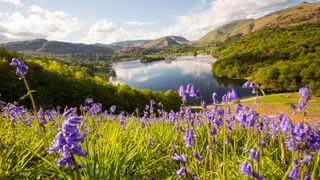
(181, 171)
(241, 117)
(245, 169)
(21, 67)
(181, 158)
(254, 154)
(113, 109)
(188, 88)
(198, 157)
(189, 137)
(224, 99)
(41, 117)
(182, 93)
(94, 109)
(294, 173)
(89, 100)
(306, 176)
(70, 112)
(192, 92)
(204, 104)
(67, 142)
(214, 100)
(306, 159)
(252, 85)
(232, 95)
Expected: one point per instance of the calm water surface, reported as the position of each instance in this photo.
(170, 74)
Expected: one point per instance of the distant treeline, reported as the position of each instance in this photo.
(279, 59)
(60, 85)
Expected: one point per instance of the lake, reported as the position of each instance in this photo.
(170, 74)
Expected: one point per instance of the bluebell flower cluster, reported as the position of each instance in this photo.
(21, 68)
(67, 141)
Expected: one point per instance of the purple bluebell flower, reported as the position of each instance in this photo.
(257, 176)
(294, 172)
(89, 100)
(245, 169)
(192, 92)
(306, 159)
(254, 154)
(182, 93)
(238, 107)
(224, 99)
(241, 117)
(192, 177)
(214, 98)
(198, 157)
(188, 113)
(70, 112)
(306, 176)
(67, 142)
(292, 106)
(181, 171)
(232, 95)
(21, 68)
(181, 158)
(188, 88)
(189, 138)
(301, 104)
(113, 109)
(95, 109)
(252, 85)
(198, 94)
(42, 117)
(204, 104)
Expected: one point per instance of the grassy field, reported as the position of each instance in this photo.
(227, 141)
(275, 103)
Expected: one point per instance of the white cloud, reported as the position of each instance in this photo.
(39, 23)
(195, 25)
(14, 2)
(106, 32)
(138, 23)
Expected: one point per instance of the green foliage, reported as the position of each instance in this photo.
(280, 59)
(56, 84)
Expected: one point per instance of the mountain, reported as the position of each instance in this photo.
(166, 41)
(157, 43)
(128, 44)
(231, 29)
(56, 47)
(305, 13)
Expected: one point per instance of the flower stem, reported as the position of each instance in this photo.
(42, 130)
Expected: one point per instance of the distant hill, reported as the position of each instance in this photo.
(157, 43)
(223, 32)
(166, 41)
(55, 47)
(305, 13)
(58, 47)
(128, 44)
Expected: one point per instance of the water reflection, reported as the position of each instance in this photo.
(170, 74)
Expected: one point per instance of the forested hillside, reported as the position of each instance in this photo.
(280, 59)
(56, 84)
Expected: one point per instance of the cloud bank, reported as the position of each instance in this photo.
(39, 23)
(58, 25)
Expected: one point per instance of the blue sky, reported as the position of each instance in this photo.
(108, 21)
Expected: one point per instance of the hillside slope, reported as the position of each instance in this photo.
(279, 59)
(305, 13)
(55, 47)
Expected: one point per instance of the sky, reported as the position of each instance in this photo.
(108, 21)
